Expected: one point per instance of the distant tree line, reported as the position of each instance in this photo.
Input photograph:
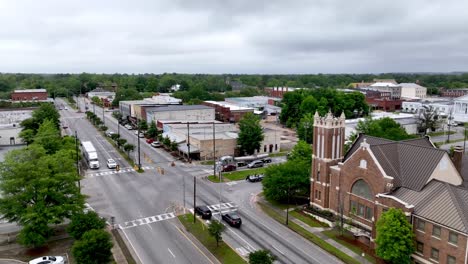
(65, 85)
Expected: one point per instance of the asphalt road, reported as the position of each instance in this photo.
(144, 205)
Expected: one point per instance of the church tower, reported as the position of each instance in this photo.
(328, 150)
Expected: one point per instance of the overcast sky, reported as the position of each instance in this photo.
(233, 36)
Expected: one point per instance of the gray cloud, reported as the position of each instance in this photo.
(233, 36)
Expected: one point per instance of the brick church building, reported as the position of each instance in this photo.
(376, 174)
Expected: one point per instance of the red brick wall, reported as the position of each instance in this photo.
(441, 244)
(29, 96)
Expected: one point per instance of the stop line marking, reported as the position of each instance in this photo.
(123, 170)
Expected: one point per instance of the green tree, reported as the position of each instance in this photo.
(129, 147)
(383, 128)
(83, 222)
(428, 119)
(305, 130)
(152, 130)
(143, 125)
(46, 111)
(395, 237)
(215, 229)
(261, 257)
(39, 190)
(250, 134)
(93, 248)
(290, 110)
(301, 152)
(27, 135)
(48, 137)
(121, 142)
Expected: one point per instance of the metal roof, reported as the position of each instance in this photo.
(410, 162)
(166, 108)
(31, 91)
(440, 202)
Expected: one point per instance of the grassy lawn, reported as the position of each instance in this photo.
(309, 220)
(237, 175)
(335, 235)
(207, 162)
(440, 133)
(224, 253)
(309, 236)
(279, 154)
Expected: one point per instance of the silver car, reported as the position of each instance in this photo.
(111, 164)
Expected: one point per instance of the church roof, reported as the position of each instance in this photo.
(410, 162)
(440, 202)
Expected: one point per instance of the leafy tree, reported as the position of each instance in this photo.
(83, 222)
(383, 128)
(395, 237)
(39, 189)
(121, 142)
(290, 110)
(27, 135)
(301, 152)
(152, 130)
(305, 130)
(48, 137)
(250, 133)
(166, 141)
(93, 248)
(309, 105)
(428, 119)
(46, 111)
(129, 147)
(215, 229)
(261, 257)
(103, 128)
(96, 100)
(142, 125)
(126, 94)
(174, 146)
(292, 176)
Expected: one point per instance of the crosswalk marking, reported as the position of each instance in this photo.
(147, 220)
(124, 170)
(243, 251)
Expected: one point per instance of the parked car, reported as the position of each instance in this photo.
(129, 127)
(233, 219)
(109, 133)
(141, 135)
(66, 108)
(149, 140)
(203, 211)
(266, 160)
(156, 144)
(48, 260)
(111, 164)
(254, 178)
(229, 167)
(255, 164)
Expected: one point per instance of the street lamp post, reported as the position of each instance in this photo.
(214, 150)
(220, 188)
(188, 142)
(287, 209)
(138, 139)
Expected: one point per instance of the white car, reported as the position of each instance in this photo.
(111, 164)
(129, 127)
(141, 135)
(156, 144)
(109, 133)
(48, 260)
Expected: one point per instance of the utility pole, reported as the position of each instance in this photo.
(214, 150)
(77, 160)
(194, 197)
(188, 142)
(118, 128)
(287, 209)
(103, 118)
(220, 188)
(138, 139)
(94, 108)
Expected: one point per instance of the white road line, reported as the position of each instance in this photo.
(171, 252)
(134, 249)
(281, 252)
(248, 244)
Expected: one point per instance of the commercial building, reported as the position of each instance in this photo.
(127, 108)
(413, 90)
(105, 96)
(227, 112)
(10, 128)
(29, 95)
(454, 92)
(460, 109)
(376, 174)
(393, 89)
(188, 113)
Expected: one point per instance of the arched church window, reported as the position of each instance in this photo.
(362, 189)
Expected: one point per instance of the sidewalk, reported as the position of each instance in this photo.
(317, 231)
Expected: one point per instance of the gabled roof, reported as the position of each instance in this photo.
(410, 162)
(440, 202)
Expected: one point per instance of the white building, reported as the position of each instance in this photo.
(394, 89)
(460, 109)
(408, 121)
(10, 120)
(180, 113)
(413, 90)
(443, 108)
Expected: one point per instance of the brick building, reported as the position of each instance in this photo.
(29, 95)
(454, 92)
(226, 112)
(376, 174)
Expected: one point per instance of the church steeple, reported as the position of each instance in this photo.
(329, 135)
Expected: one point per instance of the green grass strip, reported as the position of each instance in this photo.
(237, 175)
(309, 220)
(309, 236)
(224, 253)
(333, 234)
